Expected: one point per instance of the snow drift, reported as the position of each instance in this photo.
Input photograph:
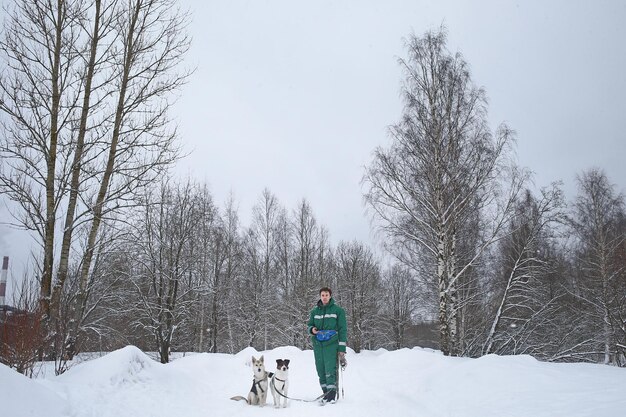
(408, 382)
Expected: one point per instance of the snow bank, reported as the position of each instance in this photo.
(408, 382)
(522, 386)
(21, 396)
(126, 366)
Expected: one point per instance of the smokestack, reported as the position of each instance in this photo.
(3, 279)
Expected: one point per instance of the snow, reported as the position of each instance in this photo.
(407, 382)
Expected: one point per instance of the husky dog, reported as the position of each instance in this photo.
(258, 392)
(280, 383)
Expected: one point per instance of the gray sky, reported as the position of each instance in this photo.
(294, 96)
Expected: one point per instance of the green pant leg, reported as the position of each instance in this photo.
(330, 365)
(319, 364)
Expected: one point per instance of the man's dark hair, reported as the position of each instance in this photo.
(327, 290)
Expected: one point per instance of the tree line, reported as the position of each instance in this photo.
(508, 270)
(129, 254)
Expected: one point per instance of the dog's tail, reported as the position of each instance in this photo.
(239, 398)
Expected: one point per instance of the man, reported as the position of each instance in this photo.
(328, 329)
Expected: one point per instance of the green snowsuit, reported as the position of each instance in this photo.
(328, 317)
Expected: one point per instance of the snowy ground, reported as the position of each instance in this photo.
(408, 382)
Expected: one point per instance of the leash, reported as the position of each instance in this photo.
(340, 369)
(290, 398)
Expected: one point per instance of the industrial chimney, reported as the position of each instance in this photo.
(3, 279)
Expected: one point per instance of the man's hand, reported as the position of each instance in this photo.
(342, 359)
(314, 330)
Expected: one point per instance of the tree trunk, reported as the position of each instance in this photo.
(444, 330)
(453, 298)
(110, 166)
(49, 306)
(80, 304)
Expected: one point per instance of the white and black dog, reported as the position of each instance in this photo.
(258, 392)
(280, 382)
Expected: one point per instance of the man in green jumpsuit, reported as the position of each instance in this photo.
(328, 329)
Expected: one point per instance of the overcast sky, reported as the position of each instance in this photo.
(295, 96)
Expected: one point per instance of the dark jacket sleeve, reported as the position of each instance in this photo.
(342, 329)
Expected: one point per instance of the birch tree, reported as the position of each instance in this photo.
(442, 165)
(599, 287)
(525, 304)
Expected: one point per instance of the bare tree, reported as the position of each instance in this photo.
(39, 91)
(233, 254)
(265, 220)
(401, 297)
(286, 275)
(140, 145)
(358, 288)
(599, 282)
(249, 293)
(306, 244)
(620, 314)
(204, 255)
(109, 308)
(86, 91)
(211, 251)
(524, 302)
(160, 243)
(92, 303)
(443, 165)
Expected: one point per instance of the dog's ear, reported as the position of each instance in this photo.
(278, 361)
(286, 362)
(253, 359)
(261, 358)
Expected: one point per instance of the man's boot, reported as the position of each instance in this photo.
(330, 396)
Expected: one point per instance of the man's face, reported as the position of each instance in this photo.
(325, 296)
